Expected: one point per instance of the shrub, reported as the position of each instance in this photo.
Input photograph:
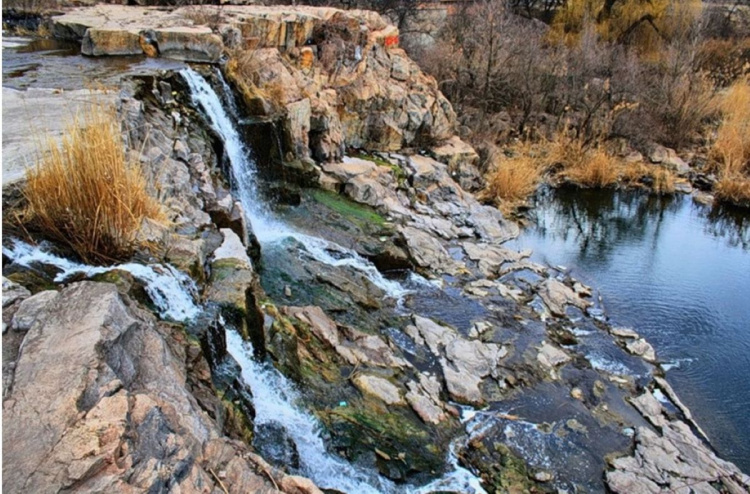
(732, 147)
(725, 60)
(595, 169)
(660, 179)
(584, 164)
(733, 189)
(512, 179)
(84, 193)
(644, 24)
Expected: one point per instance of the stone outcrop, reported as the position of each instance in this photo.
(50, 110)
(337, 77)
(99, 402)
(671, 459)
(465, 363)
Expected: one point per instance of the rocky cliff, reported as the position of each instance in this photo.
(336, 79)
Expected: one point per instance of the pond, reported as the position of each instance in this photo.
(678, 273)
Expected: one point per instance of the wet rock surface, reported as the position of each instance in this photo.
(560, 389)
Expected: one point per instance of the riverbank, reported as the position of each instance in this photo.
(382, 290)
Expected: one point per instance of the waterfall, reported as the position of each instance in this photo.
(275, 398)
(276, 401)
(244, 173)
(268, 229)
(171, 291)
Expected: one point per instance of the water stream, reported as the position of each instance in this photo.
(275, 398)
(172, 292)
(266, 227)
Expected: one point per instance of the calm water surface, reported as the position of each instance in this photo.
(678, 273)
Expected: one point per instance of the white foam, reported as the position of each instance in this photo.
(268, 229)
(276, 401)
(170, 290)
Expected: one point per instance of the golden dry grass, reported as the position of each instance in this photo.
(512, 179)
(732, 147)
(662, 179)
(669, 19)
(84, 193)
(595, 169)
(584, 165)
(731, 150)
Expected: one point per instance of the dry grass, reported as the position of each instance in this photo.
(662, 180)
(731, 150)
(643, 24)
(734, 189)
(588, 166)
(85, 194)
(512, 179)
(596, 169)
(732, 147)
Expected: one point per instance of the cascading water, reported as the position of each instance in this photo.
(244, 173)
(279, 401)
(171, 291)
(274, 396)
(276, 402)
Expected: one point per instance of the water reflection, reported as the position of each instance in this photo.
(677, 272)
(601, 221)
(730, 223)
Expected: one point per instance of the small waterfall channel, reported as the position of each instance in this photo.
(275, 397)
(268, 229)
(172, 292)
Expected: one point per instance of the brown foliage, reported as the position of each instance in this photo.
(513, 178)
(731, 150)
(84, 193)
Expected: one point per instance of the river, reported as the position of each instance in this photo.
(678, 273)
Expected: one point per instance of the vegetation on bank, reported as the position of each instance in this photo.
(86, 194)
(731, 149)
(589, 84)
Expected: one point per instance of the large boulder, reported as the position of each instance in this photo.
(99, 403)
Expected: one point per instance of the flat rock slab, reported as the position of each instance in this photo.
(181, 33)
(42, 113)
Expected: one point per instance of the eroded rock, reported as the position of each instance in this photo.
(557, 295)
(378, 387)
(99, 401)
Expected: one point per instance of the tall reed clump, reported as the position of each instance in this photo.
(84, 192)
(731, 151)
(512, 179)
(585, 165)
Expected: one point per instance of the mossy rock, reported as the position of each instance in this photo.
(361, 214)
(126, 284)
(402, 446)
(406, 446)
(500, 468)
(32, 280)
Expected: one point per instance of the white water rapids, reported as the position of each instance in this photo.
(171, 291)
(275, 398)
(268, 229)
